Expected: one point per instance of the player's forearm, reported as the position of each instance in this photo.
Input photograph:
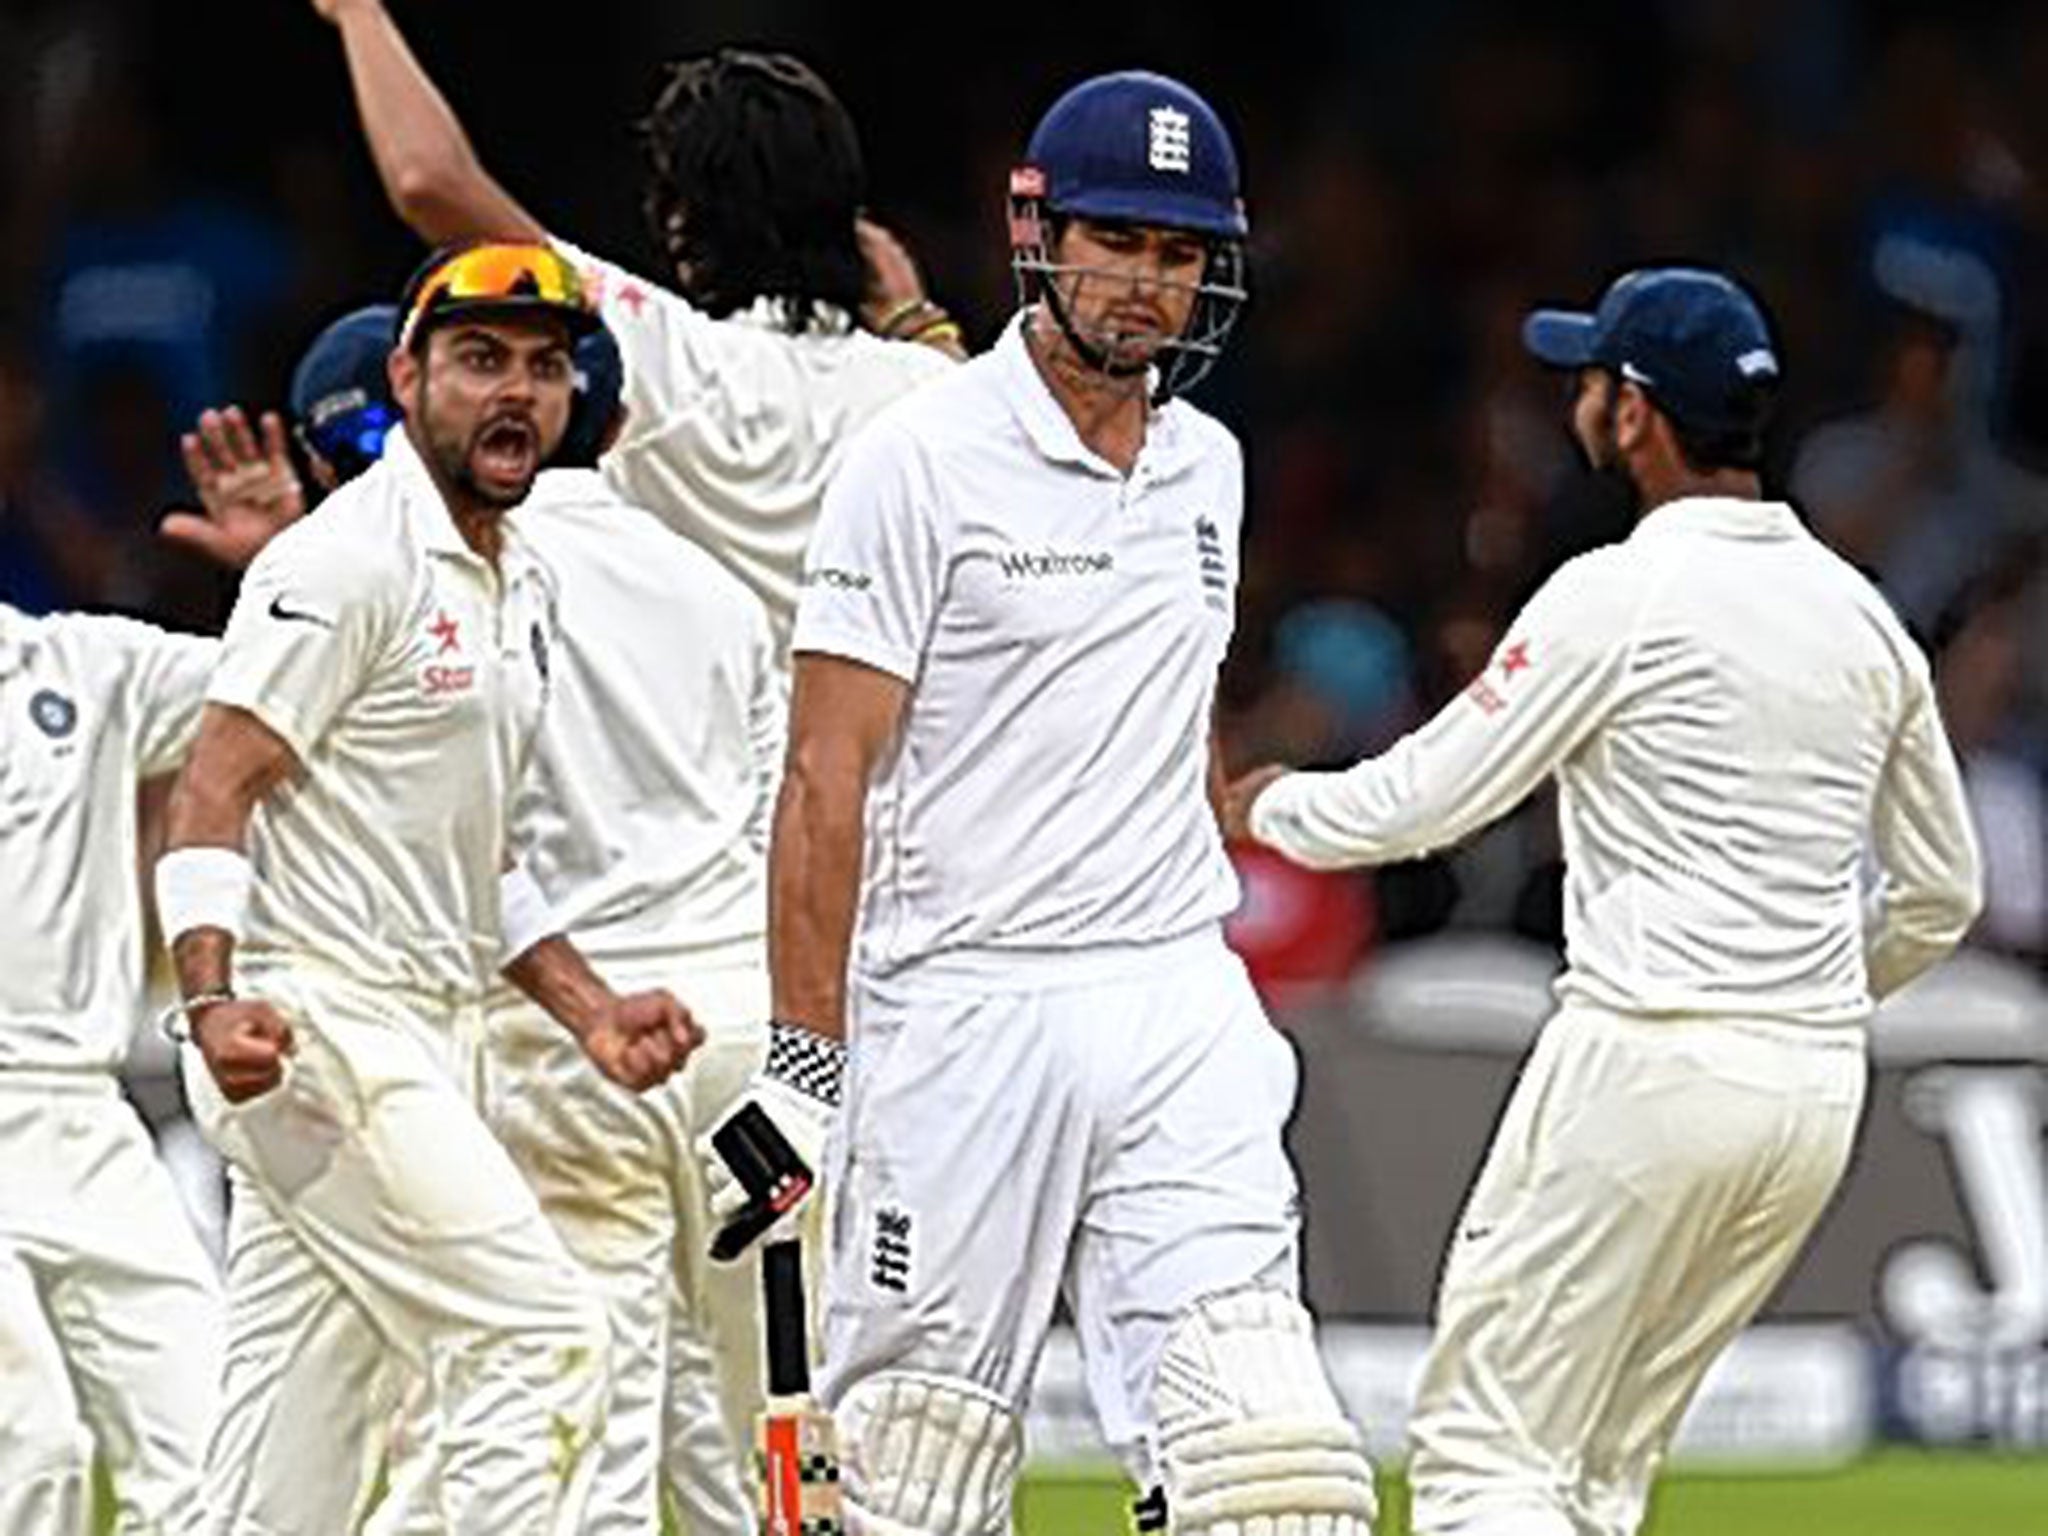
(1372, 813)
(428, 167)
(814, 891)
(204, 960)
(555, 975)
(1919, 926)
(204, 814)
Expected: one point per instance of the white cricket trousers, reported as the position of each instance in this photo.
(1649, 1185)
(375, 1220)
(1101, 1122)
(618, 1175)
(110, 1315)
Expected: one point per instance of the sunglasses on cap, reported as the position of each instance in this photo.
(487, 278)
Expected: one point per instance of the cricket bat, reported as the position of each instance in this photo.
(798, 1454)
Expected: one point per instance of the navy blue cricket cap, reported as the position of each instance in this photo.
(1693, 340)
(1139, 148)
(341, 395)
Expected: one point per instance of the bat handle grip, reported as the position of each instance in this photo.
(782, 1297)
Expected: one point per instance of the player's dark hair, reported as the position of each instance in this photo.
(1706, 449)
(754, 180)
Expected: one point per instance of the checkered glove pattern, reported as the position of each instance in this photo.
(798, 1087)
(807, 1061)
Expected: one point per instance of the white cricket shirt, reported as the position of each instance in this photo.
(1734, 717)
(734, 426)
(88, 706)
(408, 677)
(1060, 626)
(644, 816)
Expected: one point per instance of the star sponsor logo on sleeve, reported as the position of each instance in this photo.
(1490, 690)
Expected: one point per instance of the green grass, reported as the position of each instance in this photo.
(1895, 1493)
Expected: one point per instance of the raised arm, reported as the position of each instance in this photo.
(424, 158)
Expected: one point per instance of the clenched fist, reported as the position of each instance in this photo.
(642, 1038)
(245, 1043)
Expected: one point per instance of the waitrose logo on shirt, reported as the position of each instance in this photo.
(1029, 564)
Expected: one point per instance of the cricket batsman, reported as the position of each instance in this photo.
(332, 897)
(1736, 721)
(997, 889)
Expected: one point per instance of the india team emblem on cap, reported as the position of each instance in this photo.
(55, 716)
(1170, 141)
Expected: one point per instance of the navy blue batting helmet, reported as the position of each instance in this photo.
(1139, 148)
(1134, 148)
(600, 379)
(341, 395)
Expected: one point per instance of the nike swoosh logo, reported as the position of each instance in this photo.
(279, 611)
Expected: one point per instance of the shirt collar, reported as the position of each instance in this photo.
(1051, 429)
(1725, 517)
(425, 510)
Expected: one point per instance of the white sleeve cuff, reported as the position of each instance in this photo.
(525, 916)
(203, 888)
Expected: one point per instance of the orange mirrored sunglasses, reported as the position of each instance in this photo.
(499, 274)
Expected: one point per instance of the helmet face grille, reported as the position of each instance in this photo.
(1180, 363)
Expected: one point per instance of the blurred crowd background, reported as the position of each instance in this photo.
(185, 199)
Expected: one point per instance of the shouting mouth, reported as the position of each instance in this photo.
(508, 450)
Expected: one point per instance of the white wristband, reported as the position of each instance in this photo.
(524, 915)
(203, 888)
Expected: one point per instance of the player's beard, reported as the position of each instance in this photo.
(454, 460)
(1615, 489)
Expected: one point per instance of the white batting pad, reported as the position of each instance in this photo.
(1252, 1440)
(927, 1456)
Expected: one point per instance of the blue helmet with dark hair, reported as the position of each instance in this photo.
(600, 375)
(1134, 148)
(341, 402)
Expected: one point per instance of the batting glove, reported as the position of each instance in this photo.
(764, 1156)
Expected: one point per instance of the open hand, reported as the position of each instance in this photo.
(248, 492)
(893, 278)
